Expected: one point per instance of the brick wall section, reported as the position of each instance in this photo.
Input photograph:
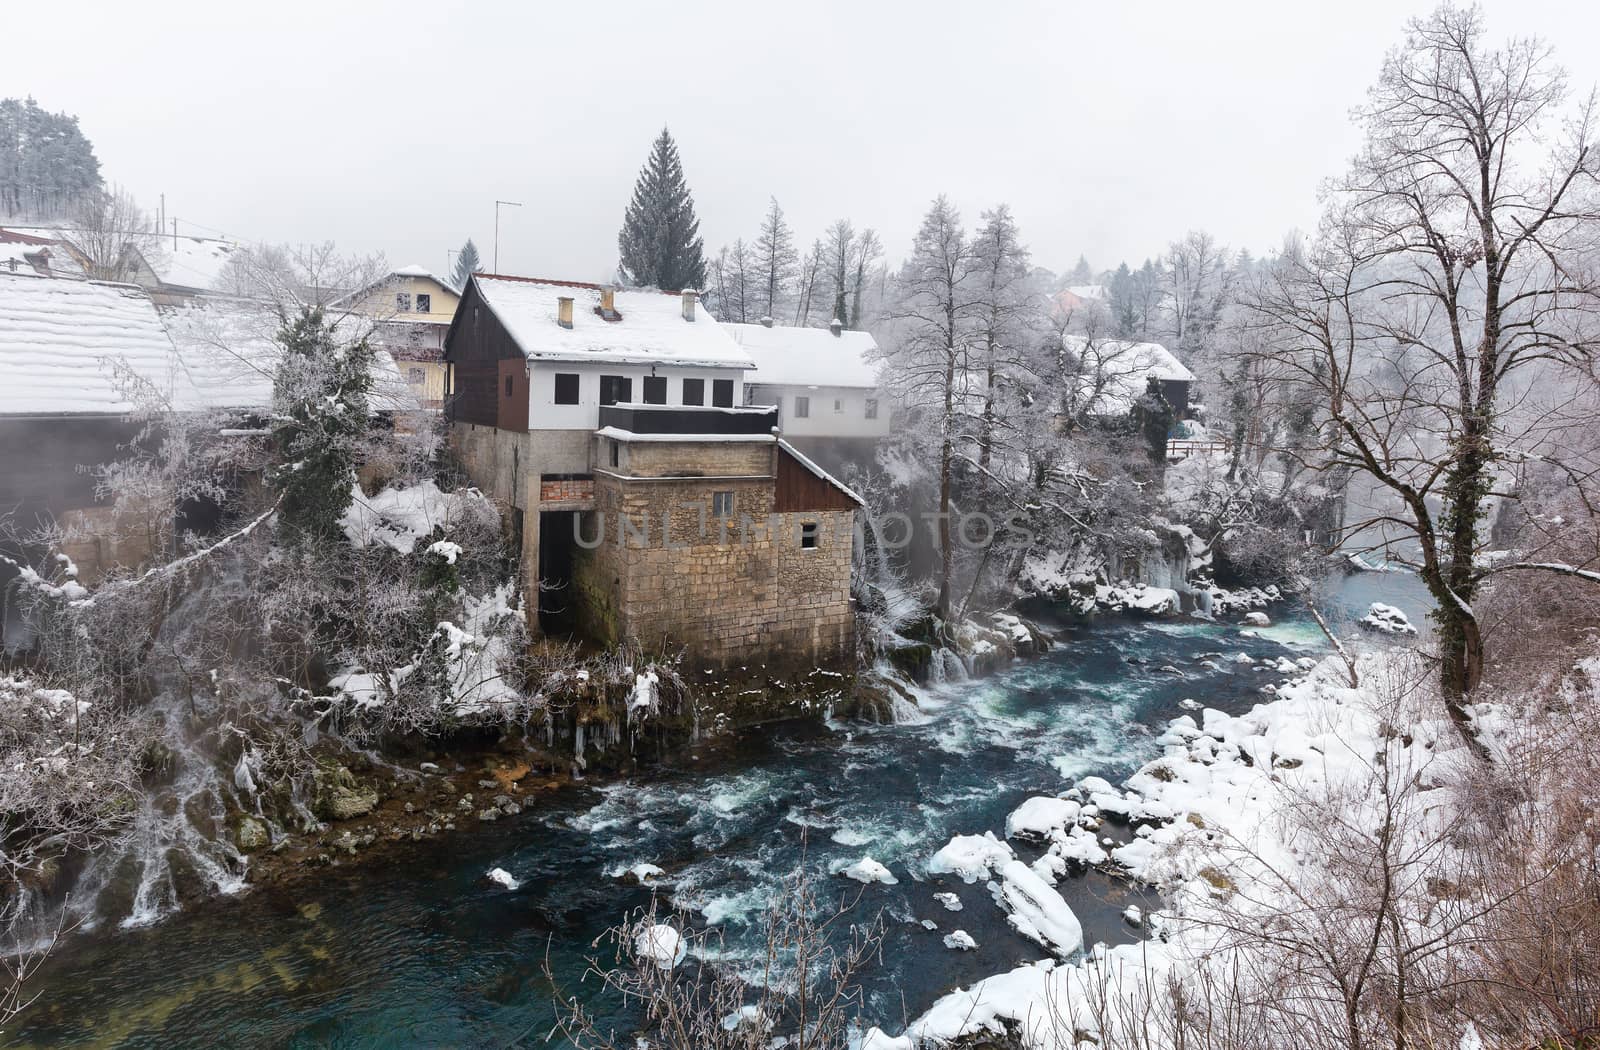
(566, 490)
(735, 593)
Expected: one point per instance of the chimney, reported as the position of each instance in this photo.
(766, 322)
(836, 326)
(608, 303)
(689, 298)
(564, 311)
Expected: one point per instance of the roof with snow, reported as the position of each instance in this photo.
(650, 328)
(80, 347)
(26, 252)
(422, 271)
(189, 262)
(1126, 367)
(808, 356)
(96, 348)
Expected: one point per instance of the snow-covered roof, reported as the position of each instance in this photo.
(28, 251)
(1088, 291)
(1125, 367)
(68, 347)
(808, 356)
(190, 262)
(422, 271)
(651, 329)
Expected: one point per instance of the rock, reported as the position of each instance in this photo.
(410, 808)
(511, 809)
(429, 767)
(1257, 619)
(342, 803)
(488, 814)
(250, 835)
(488, 784)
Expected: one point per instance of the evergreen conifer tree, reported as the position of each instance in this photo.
(321, 422)
(467, 264)
(659, 244)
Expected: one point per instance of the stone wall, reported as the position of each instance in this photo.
(734, 591)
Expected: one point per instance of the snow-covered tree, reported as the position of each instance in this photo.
(659, 245)
(112, 233)
(320, 423)
(1005, 318)
(732, 283)
(777, 262)
(467, 264)
(47, 165)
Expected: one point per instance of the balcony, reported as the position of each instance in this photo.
(755, 420)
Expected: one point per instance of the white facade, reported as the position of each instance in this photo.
(829, 411)
(545, 414)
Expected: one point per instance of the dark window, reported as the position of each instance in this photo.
(872, 408)
(613, 453)
(808, 535)
(508, 386)
(838, 406)
(694, 391)
(802, 407)
(722, 393)
(615, 390)
(402, 302)
(566, 388)
(655, 390)
(424, 302)
(415, 377)
(722, 504)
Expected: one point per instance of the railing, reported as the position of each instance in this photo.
(1183, 448)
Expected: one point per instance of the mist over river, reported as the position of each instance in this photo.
(417, 947)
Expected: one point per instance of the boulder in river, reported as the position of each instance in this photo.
(250, 835)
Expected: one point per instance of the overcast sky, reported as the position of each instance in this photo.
(1110, 128)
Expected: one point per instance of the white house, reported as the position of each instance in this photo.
(824, 382)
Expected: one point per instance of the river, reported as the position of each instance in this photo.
(419, 949)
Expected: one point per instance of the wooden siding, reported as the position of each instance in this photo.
(512, 392)
(801, 490)
(474, 348)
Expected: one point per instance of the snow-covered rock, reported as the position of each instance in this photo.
(867, 870)
(971, 857)
(1036, 910)
(960, 940)
(1040, 815)
(661, 944)
(1257, 619)
(503, 878)
(1386, 619)
(950, 901)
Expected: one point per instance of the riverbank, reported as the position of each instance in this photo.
(424, 947)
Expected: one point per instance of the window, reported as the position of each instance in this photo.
(802, 407)
(808, 535)
(694, 391)
(838, 406)
(402, 302)
(424, 302)
(566, 388)
(722, 504)
(415, 377)
(614, 455)
(872, 408)
(655, 390)
(722, 393)
(615, 390)
(508, 386)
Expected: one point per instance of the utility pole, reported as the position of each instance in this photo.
(174, 234)
(497, 204)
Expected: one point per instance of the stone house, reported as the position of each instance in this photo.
(649, 502)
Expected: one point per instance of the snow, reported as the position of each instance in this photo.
(651, 330)
(661, 944)
(867, 870)
(398, 517)
(446, 550)
(504, 878)
(190, 262)
(645, 697)
(1386, 619)
(950, 901)
(62, 342)
(960, 940)
(1257, 619)
(1041, 815)
(1036, 910)
(971, 857)
(808, 356)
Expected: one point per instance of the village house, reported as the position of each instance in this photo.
(33, 253)
(87, 364)
(411, 311)
(651, 504)
(1115, 373)
(824, 383)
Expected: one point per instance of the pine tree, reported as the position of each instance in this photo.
(47, 165)
(1081, 274)
(467, 264)
(321, 421)
(660, 242)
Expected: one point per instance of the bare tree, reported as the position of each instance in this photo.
(113, 234)
(1452, 280)
(776, 261)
